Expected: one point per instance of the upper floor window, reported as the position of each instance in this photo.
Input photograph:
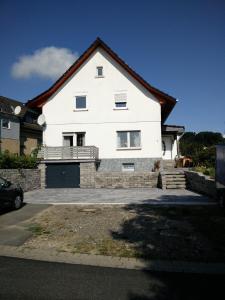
(99, 71)
(81, 102)
(5, 123)
(129, 139)
(120, 101)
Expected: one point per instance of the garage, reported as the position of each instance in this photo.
(63, 175)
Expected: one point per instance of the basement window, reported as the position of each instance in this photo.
(128, 167)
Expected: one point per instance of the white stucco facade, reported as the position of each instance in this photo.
(101, 121)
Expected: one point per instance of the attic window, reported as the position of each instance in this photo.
(120, 101)
(99, 71)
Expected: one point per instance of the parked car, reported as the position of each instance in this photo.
(11, 195)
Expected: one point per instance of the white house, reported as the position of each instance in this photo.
(102, 109)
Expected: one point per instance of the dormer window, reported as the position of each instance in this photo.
(99, 71)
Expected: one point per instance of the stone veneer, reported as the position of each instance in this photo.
(91, 178)
(126, 179)
(28, 179)
(200, 183)
(87, 174)
(115, 164)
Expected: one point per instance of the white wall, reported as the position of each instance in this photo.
(101, 121)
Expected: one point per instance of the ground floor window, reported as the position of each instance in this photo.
(129, 139)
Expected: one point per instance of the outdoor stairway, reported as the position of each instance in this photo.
(173, 179)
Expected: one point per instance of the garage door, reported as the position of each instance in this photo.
(64, 175)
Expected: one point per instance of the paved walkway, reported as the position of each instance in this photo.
(116, 196)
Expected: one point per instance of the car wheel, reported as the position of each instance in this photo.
(18, 201)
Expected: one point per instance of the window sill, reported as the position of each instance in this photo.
(6, 128)
(120, 108)
(129, 148)
(81, 109)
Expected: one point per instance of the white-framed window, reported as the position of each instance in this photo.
(99, 71)
(120, 101)
(73, 139)
(5, 123)
(80, 103)
(129, 139)
(128, 167)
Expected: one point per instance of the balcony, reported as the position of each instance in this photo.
(69, 153)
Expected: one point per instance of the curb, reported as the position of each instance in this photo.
(51, 255)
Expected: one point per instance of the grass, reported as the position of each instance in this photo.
(37, 229)
(106, 247)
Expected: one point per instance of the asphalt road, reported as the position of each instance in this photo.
(28, 279)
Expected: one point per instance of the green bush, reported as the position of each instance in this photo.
(201, 147)
(209, 171)
(13, 161)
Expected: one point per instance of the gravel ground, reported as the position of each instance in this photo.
(169, 232)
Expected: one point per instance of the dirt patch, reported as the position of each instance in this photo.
(171, 233)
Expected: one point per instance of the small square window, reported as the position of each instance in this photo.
(99, 71)
(81, 102)
(128, 167)
(5, 124)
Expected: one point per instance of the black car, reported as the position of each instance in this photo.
(11, 195)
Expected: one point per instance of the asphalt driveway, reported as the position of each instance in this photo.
(115, 196)
(13, 231)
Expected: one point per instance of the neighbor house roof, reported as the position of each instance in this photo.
(167, 102)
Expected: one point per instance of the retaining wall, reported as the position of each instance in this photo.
(200, 183)
(29, 179)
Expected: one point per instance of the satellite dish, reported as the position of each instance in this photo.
(41, 120)
(17, 110)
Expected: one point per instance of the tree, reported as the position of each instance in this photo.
(201, 147)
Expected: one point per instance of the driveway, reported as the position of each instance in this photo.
(115, 196)
(13, 231)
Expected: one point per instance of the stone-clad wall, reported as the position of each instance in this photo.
(126, 179)
(200, 183)
(90, 178)
(87, 174)
(29, 179)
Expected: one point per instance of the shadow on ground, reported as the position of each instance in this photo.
(6, 210)
(185, 233)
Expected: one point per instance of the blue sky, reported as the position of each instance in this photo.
(177, 46)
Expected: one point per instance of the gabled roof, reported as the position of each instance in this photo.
(167, 102)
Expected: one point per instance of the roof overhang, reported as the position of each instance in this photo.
(173, 129)
(166, 101)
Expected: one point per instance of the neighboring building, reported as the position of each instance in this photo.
(102, 103)
(19, 134)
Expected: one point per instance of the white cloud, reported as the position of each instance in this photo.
(49, 62)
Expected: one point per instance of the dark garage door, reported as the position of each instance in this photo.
(64, 175)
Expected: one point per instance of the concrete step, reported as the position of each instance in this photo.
(174, 176)
(175, 180)
(172, 172)
(175, 186)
